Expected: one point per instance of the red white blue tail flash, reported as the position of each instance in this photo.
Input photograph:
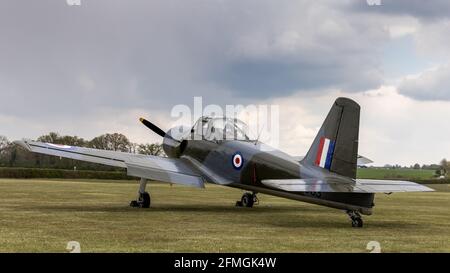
(325, 153)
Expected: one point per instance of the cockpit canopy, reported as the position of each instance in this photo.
(221, 128)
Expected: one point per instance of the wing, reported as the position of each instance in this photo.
(337, 185)
(362, 160)
(145, 166)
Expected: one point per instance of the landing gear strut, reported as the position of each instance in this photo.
(355, 217)
(247, 200)
(143, 200)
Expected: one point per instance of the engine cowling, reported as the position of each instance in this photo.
(175, 141)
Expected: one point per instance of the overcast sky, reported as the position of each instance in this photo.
(96, 68)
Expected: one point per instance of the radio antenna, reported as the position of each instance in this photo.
(259, 134)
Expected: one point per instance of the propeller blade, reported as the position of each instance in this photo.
(152, 127)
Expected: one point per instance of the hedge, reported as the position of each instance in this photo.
(61, 173)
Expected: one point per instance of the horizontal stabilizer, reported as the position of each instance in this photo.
(361, 160)
(344, 185)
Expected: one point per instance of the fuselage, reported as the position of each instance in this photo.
(244, 164)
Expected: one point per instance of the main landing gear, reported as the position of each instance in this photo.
(248, 200)
(143, 200)
(356, 218)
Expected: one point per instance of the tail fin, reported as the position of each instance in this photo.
(336, 145)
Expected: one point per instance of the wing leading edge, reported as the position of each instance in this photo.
(338, 185)
(145, 166)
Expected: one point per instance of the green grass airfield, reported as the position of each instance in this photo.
(44, 215)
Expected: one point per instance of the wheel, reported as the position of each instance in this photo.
(357, 222)
(360, 222)
(144, 200)
(247, 200)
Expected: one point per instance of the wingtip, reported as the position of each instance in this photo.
(22, 143)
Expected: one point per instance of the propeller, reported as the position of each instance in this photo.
(152, 127)
(171, 146)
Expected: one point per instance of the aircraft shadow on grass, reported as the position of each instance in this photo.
(260, 215)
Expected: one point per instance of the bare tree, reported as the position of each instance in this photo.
(114, 142)
(4, 150)
(51, 137)
(56, 138)
(3, 144)
(444, 164)
(73, 141)
(134, 148)
(150, 149)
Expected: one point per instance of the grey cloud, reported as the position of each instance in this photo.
(306, 46)
(430, 85)
(272, 78)
(131, 56)
(154, 54)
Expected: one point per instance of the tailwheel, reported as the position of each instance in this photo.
(247, 200)
(356, 219)
(358, 222)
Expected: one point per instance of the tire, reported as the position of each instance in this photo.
(360, 223)
(144, 200)
(247, 200)
(357, 222)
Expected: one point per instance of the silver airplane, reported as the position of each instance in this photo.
(220, 151)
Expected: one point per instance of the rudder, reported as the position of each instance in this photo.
(336, 145)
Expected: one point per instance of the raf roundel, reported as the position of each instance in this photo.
(237, 161)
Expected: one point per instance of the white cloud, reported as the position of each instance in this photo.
(394, 129)
(433, 84)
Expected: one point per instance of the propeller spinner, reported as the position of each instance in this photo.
(171, 146)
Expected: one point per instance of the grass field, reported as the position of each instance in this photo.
(43, 215)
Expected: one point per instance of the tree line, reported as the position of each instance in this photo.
(12, 155)
(441, 169)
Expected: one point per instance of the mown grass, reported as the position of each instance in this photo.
(43, 215)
